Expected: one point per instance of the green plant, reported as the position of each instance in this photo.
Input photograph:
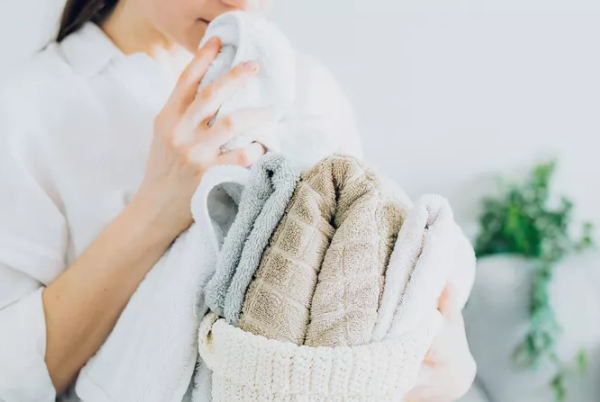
(522, 221)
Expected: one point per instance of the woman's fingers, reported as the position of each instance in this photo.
(449, 368)
(453, 333)
(242, 157)
(187, 86)
(211, 139)
(449, 304)
(210, 99)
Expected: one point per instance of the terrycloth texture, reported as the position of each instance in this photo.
(338, 193)
(346, 300)
(278, 299)
(430, 247)
(152, 351)
(250, 368)
(261, 208)
(245, 37)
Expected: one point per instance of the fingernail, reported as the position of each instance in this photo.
(251, 66)
(213, 42)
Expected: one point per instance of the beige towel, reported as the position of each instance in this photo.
(339, 193)
(278, 299)
(346, 300)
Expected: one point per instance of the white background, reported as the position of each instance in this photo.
(448, 93)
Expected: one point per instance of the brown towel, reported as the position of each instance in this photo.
(339, 193)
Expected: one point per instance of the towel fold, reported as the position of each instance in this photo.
(247, 36)
(282, 176)
(339, 193)
(350, 284)
(151, 353)
(261, 207)
(278, 300)
(430, 248)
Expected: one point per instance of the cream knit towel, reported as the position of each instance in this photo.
(250, 368)
(338, 193)
(431, 248)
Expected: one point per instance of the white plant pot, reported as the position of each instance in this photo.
(497, 319)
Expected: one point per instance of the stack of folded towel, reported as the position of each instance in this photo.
(322, 285)
(339, 228)
(342, 302)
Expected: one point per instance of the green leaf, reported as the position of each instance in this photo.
(519, 220)
(558, 386)
(582, 362)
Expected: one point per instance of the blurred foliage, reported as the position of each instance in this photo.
(521, 220)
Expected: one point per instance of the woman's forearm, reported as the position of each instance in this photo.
(83, 304)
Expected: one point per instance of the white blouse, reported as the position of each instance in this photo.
(75, 131)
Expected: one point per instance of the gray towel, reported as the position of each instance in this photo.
(261, 207)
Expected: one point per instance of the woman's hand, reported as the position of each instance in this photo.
(186, 144)
(449, 368)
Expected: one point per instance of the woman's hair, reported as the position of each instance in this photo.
(78, 12)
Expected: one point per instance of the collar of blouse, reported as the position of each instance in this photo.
(90, 52)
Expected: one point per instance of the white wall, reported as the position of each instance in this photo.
(25, 27)
(447, 92)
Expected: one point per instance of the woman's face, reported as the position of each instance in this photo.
(185, 21)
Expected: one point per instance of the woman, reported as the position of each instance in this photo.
(102, 143)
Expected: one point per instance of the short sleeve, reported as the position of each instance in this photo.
(33, 240)
(33, 230)
(24, 376)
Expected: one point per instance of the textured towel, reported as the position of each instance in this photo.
(152, 351)
(278, 300)
(429, 249)
(245, 37)
(261, 207)
(346, 300)
(250, 368)
(337, 193)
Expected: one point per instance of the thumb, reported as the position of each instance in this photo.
(449, 304)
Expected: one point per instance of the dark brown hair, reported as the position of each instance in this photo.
(79, 12)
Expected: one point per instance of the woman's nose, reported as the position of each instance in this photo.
(249, 5)
(241, 4)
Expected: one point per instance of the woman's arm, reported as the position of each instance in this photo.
(82, 305)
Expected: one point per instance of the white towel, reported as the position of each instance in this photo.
(431, 250)
(246, 36)
(151, 354)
